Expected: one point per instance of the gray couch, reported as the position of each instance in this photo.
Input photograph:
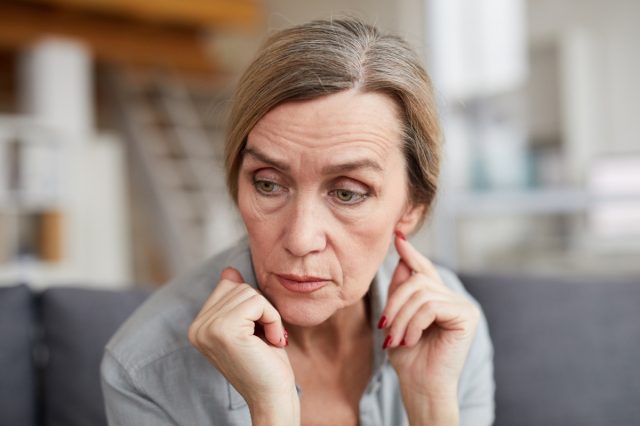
(566, 350)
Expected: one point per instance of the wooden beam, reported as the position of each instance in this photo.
(201, 13)
(111, 40)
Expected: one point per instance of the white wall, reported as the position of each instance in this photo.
(608, 32)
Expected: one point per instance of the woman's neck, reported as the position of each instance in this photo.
(334, 335)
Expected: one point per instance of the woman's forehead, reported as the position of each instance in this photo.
(355, 126)
(346, 108)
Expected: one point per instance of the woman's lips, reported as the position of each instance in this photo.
(301, 284)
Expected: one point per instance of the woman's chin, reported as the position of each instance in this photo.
(308, 316)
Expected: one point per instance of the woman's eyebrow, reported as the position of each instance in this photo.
(266, 159)
(365, 163)
(331, 169)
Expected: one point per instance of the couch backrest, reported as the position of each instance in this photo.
(17, 375)
(567, 351)
(77, 324)
(51, 345)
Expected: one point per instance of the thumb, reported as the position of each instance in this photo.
(231, 274)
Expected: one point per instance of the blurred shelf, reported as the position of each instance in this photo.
(119, 39)
(190, 12)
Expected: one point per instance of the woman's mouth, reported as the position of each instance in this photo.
(302, 283)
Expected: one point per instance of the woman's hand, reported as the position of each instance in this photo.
(258, 367)
(429, 330)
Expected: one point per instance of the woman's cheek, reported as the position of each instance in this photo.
(259, 207)
(368, 220)
(367, 233)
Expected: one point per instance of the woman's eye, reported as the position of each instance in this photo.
(348, 197)
(266, 187)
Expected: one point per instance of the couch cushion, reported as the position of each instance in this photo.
(17, 379)
(567, 351)
(77, 325)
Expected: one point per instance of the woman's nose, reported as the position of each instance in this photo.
(304, 229)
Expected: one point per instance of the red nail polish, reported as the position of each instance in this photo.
(387, 342)
(286, 337)
(403, 343)
(286, 334)
(383, 322)
(400, 235)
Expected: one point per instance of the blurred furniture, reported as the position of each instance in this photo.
(170, 33)
(565, 350)
(51, 344)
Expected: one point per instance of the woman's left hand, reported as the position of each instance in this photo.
(429, 330)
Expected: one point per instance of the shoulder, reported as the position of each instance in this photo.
(160, 325)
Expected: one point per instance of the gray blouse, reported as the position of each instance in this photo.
(153, 376)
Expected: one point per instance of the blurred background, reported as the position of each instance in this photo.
(112, 119)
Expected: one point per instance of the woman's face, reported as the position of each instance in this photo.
(322, 188)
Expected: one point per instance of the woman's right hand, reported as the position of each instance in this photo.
(258, 368)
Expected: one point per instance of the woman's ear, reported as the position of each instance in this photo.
(410, 218)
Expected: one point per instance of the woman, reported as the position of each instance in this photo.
(325, 314)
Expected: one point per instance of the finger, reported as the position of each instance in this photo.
(258, 309)
(401, 274)
(225, 304)
(214, 308)
(448, 315)
(413, 258)
(233, 298)
(231, 274)
(402, 294)
(398, 328)
(229, 280)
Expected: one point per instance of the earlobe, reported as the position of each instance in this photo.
(410, 219)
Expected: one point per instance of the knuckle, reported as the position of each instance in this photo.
(247, 291)
(396, 328)
(411, 329)
(424, 294)
(193, 334)
(254, 297)
(429, 309)
(431, 305)
(216, 326)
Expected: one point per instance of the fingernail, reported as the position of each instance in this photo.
(383, 322)
(400, 235)
(286, 337)
(403, 343)
(387, 342)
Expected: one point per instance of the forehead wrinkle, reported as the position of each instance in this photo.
(307, 126)
(338, 131)
(303, 134)
(286, 138)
